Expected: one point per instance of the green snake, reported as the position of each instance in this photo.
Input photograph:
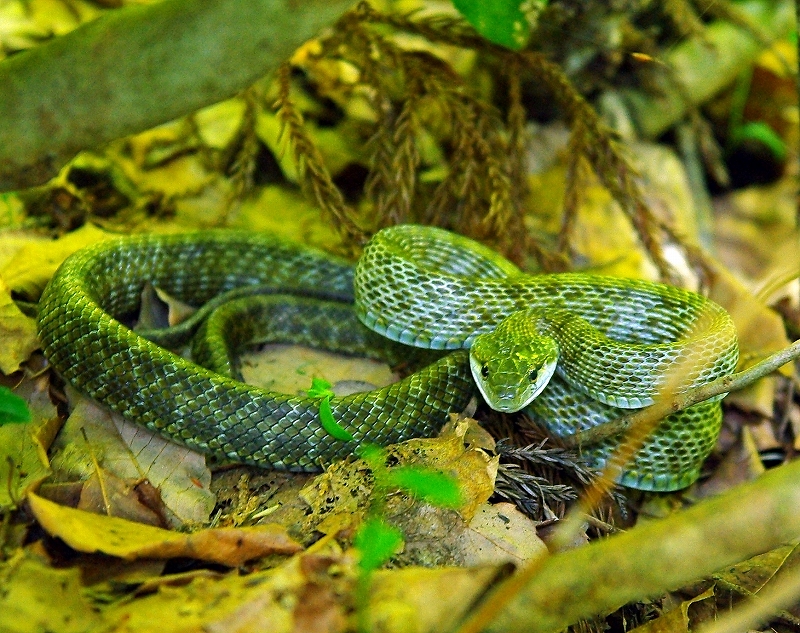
(573, 348)
(415, 285)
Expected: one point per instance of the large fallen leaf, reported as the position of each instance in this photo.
(501, 533)
(37, 597)
(290, 368)
(89, 532)
(424, 600)
(309, 593)
(345, 493)
(345, 489)
(675, 620)
(33, 265)
(132, 452)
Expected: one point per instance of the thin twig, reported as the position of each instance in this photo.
(679, 402)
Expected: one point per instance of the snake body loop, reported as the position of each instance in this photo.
(82, 336)
(617, 343)
(612, 342)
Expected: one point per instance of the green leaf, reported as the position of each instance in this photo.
(429, 485)
(13, 409)
(320, 388)
(374, 455)
(504, 22)
(377, 541)
(333, 428)
(760, 131)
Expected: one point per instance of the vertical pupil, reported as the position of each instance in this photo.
(485, 371)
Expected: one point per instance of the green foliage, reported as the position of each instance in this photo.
(504, 22)
(762, 132)
(375, 538)
(321, 388)
(13, 409)
(377, 541)
(429, 485)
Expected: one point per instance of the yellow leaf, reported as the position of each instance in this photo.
(17, 331)
(33, 265)
(37, 597)
(88, 532)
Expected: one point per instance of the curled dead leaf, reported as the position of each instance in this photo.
(88, 532)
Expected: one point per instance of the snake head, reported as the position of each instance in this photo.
(513, 363)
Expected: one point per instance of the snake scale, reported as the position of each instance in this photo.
(598, 343)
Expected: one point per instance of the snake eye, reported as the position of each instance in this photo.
(533, 375)
(485, 370)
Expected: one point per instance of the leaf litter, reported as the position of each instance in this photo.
(106, 459)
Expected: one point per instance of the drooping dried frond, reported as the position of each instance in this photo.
(446, 29)
(310, 163)
(515, 121)
(597, 143)
(243, 167)
(395, 158)
(478, 184)
(575, 182)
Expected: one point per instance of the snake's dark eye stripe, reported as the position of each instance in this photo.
(485, 370)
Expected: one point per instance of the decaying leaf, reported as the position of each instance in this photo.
(105, 493)
(341, 495)
(501, 533)
(133, 453)
(302, 595)
(37, 597)
(290, 369)
(675, 620)
(33, 265)
(89, 532)
(403, 596)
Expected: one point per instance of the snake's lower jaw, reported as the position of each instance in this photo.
(513, 398)
(506, 407)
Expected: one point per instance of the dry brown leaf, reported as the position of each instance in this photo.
(675, 620)
(105, 493)
(501, 533)
(307, 590)
(741, 463)
(36, 597)
(93, 434)
(33, 265)
(88, 532)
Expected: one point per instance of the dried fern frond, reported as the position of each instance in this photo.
(597, 143)
(243, 167)
(310, 163)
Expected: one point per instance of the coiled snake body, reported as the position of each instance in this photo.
(427, 287)
(574, 347)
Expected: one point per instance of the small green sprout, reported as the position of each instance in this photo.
(321, 388)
